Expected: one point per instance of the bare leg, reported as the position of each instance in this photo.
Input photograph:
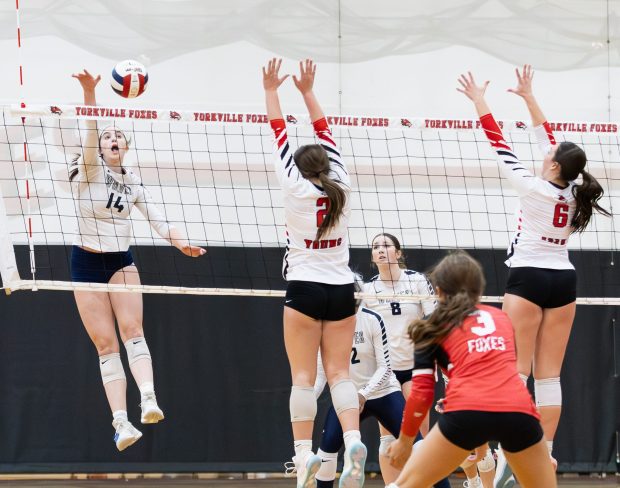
(526, 318)
(435, 459)
(388, 472)
(550, 350)
(98, 319)
(302, 336)
(532, 466)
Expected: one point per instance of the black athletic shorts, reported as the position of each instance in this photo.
(321, 301)
(97, 267)
(547, 288)
(403, 375)
(469, 429)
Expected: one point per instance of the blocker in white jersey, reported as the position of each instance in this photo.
(398, 314)
(308, 258)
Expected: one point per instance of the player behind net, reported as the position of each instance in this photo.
(485, 399)
(541, 290)
(319, 308)
(106, 191)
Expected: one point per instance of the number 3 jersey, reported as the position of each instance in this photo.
(480, 362)
(305, 206)
(104, 201)
(546, 210)
(398, 314)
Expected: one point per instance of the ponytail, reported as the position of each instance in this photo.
(587, 196)
(337, 200)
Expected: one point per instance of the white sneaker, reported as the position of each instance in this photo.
(475, 483)
(353, 470)
(126, 434)
(306, 468)
(503, 473)
(151, 413)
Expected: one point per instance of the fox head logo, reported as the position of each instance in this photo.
(55, 110)
(521, 125)
(405, 123)
(291, 119)
(175, 115)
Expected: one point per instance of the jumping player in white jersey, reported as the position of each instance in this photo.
(105, 193)
(395, 279)
(319, 308)
(542, 283)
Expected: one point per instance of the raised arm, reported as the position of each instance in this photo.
(543, 131)
(90, 146)
(305, 83)
(271, 83)
(519, 176)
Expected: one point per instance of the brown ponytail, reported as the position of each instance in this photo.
(313, 162)
(460, 280)
(572, 160)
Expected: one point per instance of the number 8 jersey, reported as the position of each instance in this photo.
(546, 209)
(305, 206)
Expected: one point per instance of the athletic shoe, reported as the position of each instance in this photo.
(126, 434)
(151, 413)
(306, 468)
(475, 483)
(503, 473)
(353, 470)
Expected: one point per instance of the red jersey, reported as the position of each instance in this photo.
(479, 359)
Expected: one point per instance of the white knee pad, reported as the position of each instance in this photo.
(384, 444)
(111, 367)
(329, 461)
(137, 349)
(302, 403)
(344, 396)
(487, 463)
(548, 392)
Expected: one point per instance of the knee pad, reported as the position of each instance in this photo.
(487, 463)
(384, 444)
(548, 392)
(111, 368)
(344, 396)
(302, 403)
(327, 471)
(137, 349)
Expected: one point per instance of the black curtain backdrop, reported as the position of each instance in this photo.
(221, 372)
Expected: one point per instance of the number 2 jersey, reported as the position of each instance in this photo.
(479, 359)
(305, 205)
(104, 201)
(546, 210)
(398, 314)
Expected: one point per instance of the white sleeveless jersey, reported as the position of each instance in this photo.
(370, 369)
(398, 314)
(545, 210)
(104, 201)
(305, 206)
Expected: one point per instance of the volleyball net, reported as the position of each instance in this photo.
(435, 184)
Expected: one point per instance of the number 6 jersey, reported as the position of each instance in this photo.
(546, 210)
(305, 206)
(104, 200)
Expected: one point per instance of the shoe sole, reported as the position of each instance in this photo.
(152, 417)
(313, 464)
(354, 476)
(128, 442)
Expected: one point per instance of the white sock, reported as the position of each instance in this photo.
(550, 446)
(350, 436)
(147, 387)
(475, 479)
(302, 447)
(119, 414)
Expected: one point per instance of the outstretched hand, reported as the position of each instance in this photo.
(271, 78)
(470, 89)
(192, 251)
(524, 82)
(305, 82)
(88, 81)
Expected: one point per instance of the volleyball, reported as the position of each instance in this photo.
(129, 78)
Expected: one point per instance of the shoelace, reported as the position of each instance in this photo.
(290, 468)
(148, 397)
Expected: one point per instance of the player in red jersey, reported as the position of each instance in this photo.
(485, 398)
(542, 283)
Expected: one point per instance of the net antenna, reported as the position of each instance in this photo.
(434, 183)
